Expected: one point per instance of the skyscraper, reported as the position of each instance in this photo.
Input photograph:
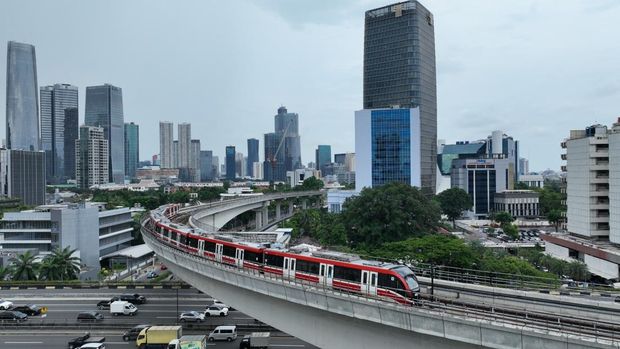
(104, 108)
(175, 154)
(387, 147)
(323, 156)
(194, 160)
(166, 137)
(91, 163)
(71, 135)
(22, 100)
(252, 156)
(22, 175)
(206, 165)
(287, 127)
(55, 100)
(230, 162)
(185, 137)
(274, 167)
(132, 149)
(399, 71)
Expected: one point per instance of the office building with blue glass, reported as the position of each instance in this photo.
(387, 147)
(230, 162)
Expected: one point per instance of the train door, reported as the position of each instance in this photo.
(326, 274)
(219, 248)
(239, 256)
(201, 248)
(289, 267)
(369, 282)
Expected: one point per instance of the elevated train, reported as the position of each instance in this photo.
(340, 271)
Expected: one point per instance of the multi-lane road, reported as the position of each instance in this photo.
(161, 309)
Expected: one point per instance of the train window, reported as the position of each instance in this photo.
(173, 235)
(276, 261)
(192, 242)
(210, 246)
(347, 274)
(166, 232)
(308, 267)
(182, 239)
(390, 281)
(229, 251)
(253, 256)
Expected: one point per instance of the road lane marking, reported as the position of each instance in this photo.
(23, 342)
(166, 317)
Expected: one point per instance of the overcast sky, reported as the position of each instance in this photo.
(533, 68)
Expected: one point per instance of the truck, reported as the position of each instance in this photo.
(86, 338)
(255, 340)
(123, 308)
(189, 342)
(158, 337)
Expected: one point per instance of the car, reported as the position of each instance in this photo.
(89, 316)
(132, 333)
(163, 267)
(214, 310)
(5, 305)
(30, 309)
(152, 275)
(191, 316)
(617, 299)
(103, 305)
(131, 298)
(220, 304)
(10, 315)
(227, 333)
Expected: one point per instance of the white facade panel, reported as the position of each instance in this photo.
(557, 251)
(614, 188)
(363, 150)
(601, 267)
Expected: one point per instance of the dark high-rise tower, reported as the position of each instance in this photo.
(230, 162)
(71, 135)
(287, 126)
(55, 100)
(132, 149)
(399, 70)
(22, 99)
(252, 156)
(104, 108)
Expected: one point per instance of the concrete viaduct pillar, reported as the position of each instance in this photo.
(265, 212)
(259, 218)
(304, 204)
(278, 213)
(290, 207)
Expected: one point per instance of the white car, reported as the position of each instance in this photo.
(5, 305)
(191, 316)
(214, 310)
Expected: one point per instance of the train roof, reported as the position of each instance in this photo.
(318, 252)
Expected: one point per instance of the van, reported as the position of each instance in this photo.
(223, 333)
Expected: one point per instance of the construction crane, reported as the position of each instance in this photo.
(273, 158)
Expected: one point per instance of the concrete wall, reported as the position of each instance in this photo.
(601, 267)
(335, 320)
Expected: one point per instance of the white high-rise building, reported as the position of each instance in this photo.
(91, 162)
(185, 137)
(166, 137)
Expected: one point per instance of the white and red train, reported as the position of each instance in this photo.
(331, 269)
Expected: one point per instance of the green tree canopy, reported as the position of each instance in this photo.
(503, 218)
(24, 267)
(453, 202)
(311, 183)
(511, 230)
(555, 217)
(391, 212)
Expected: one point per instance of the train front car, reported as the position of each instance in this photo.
(410, 280)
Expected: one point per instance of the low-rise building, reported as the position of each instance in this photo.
(336, 198)
(93, 232)
(519, 203)
(297, 177)
(532, 180)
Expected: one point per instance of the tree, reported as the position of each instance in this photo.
(67, 264)
(453, 202)
(311, 183)
(4, 273)
(24, 267)
(503, 218)
(391, 212)
(511, 230)
(555, 217)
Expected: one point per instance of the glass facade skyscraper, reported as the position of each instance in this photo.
(387, 147)
(399, 71)
(252, 156)
(273, 167)
(104, 108)
(132, 149)
(22, 99)
(55, 100)
(207, 172)
(287, 126)
(71, 135)
(323, 155)
(230, 162)
(22, 175)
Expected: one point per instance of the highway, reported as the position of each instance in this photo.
(160, 309)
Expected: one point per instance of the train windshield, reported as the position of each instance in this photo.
(409, 276)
